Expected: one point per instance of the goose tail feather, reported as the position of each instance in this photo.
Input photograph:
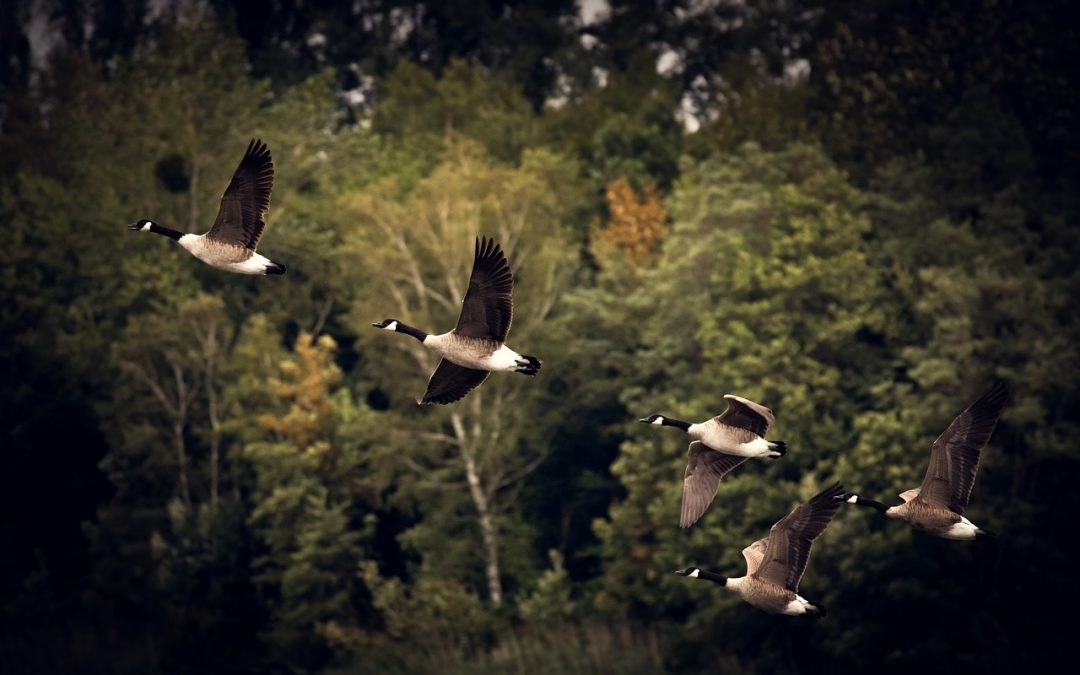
(528, 365)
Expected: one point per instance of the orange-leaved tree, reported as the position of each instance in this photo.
(636, 223)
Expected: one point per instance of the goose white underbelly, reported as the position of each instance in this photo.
(256, 264)
(964, 530)
(799, 605)
(503, 358)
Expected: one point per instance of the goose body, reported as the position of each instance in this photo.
(724, 442)
(937, 506)
(474, 353)
(477, 345)
(775, 564)
(230, 243)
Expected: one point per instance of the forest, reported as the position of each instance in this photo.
(860, 215)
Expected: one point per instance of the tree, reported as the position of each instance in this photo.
(636, 226)
(162, 366)
(763, 289)
(416, 256)
(885, 78)
(420, 110)
(306, 510)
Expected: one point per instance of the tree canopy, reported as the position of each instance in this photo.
(858, 216)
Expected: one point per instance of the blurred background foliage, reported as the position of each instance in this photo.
(858, 215)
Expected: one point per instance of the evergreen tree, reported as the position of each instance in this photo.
(307, 511)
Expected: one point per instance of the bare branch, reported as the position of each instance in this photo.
(523, 471)
(434, 436)
(141, 372)
(322, 316)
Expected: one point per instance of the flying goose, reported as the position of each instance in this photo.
(775, 564)
(739, 430)
(937, 506)
(726, 441)
(230, 244)
(476, 345)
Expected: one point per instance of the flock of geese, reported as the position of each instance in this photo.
(477, 346)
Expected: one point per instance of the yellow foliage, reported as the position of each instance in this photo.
(636, 224)
(305, 383)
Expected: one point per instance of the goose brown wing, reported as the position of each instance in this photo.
(788, 547)
(954, 458)
(746, 414)
(704, 469)
(240, 218)
(754, 554)
(450, 382)
(488, 307)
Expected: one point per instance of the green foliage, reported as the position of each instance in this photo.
(763, 290)
(306, 510)
(204, 472)
(624, 128)
(567, 648)
(550, 601)
(420, 110)
(889, 79)
(451, 618)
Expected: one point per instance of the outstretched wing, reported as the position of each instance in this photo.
(746, 414)
(754, 554)
(488, 307)
(450, 382)
(788, 547)
(704, 469)
(954, 458)
(908, 495)
(240, 218)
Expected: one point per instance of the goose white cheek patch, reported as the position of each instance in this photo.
(658, 421)
(694, 574)
(146, 227)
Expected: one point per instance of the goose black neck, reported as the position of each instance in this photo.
(870, 503)
(713, 577)
(171, 234)
(678, 424)
(409, 330)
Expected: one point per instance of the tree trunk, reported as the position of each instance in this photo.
(488, 531)
(215, 437)
(215, 451)
(179, 422)
(193, 197)
(181, 459)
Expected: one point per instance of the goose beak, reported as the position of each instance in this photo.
(645, 420)
(134, 227)
(681, 573)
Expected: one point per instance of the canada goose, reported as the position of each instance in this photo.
(476, 345)
(230, 244)
(937, 506)
(739, 430)
(727, 441)
(775, 564)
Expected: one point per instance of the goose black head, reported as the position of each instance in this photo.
(141, 226)
(652, 419)
(387, 324)
(691, 572)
